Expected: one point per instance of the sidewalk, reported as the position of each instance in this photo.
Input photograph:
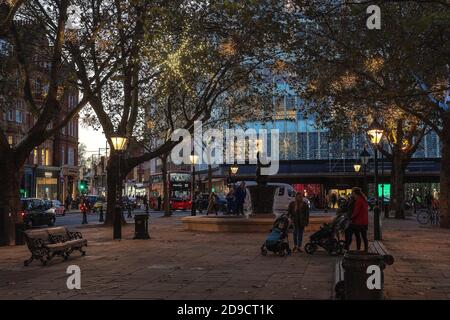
(174, 264)
(422, 260)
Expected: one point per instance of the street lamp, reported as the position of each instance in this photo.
(357, 167)
(375, 133)
(194, 160)
(233, 171)
(119, 143)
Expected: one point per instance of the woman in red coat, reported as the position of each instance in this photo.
(360, 219)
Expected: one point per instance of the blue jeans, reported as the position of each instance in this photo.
(298, 235)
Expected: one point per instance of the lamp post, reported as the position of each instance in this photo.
(194, 159)
(119, 143)
(233, 171)
(375, 133)
(364, 157)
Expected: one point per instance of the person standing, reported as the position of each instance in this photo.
(212, 204)
(349, 213)
(68, 202)
(240, 195)
(159, 202)
(145, 203)
(230, 201)
(298, 212)
(360, 219)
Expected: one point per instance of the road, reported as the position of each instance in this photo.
(75, 218)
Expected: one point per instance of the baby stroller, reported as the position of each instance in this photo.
(277, 240)
(328, 237)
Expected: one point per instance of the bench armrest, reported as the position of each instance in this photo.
(74, 235)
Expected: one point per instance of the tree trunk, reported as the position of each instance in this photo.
(444, 197)
(397, 185)
(166, 201)
(10, 176)
(111, 183)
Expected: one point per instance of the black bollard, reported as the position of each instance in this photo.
(376, 223)
(101, 215)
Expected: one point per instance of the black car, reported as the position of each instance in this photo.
(35, 213)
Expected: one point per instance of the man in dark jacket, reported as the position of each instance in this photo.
(240, 195)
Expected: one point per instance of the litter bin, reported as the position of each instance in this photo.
(141, 226)
(356, 276)
(20, 229)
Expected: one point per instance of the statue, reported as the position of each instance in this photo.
(262, 195)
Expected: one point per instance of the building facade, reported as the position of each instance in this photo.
(51, 170)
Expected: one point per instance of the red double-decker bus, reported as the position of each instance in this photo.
(179, 186)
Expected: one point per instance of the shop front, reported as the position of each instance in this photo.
(68, 182)
(47, 182)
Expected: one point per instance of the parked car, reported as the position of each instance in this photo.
(34, 213)
(100, 203)
(56, 207)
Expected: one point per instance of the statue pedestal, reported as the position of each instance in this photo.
(262, 216)
(262, 197)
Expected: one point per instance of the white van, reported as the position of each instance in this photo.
(284, 194)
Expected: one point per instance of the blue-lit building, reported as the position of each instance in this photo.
(309, 156)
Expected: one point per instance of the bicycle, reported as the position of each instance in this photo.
(428, 216)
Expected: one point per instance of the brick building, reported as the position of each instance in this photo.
(52, 168)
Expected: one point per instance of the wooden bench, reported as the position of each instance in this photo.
(45, 244)
(378, 248)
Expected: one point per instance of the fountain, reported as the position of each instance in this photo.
(262, 195)
(261, 219)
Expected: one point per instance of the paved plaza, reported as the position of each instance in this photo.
(177, 264)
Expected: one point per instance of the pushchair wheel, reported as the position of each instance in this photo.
(310, 248)
(281, 253)
(263, 251)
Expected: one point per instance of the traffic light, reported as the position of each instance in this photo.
(83, 187)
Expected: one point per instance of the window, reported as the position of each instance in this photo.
(70, 157)
(38, 86)
(10, 140)
(47, 157)
(72, 101)
(35, 156)
(63, 130)
(62, 157)
(291, 193)
(43, 156)
(10, 115)
(281, 191)
(19, 116)
(4, 47)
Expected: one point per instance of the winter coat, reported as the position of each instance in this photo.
(360, 214)
(299, 217)
(240, 195)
